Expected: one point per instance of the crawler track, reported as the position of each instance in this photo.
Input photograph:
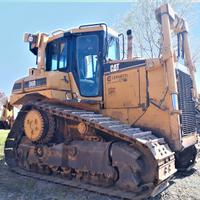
(198, 121)
(154, 146)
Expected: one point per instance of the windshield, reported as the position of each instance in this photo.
(87, 49)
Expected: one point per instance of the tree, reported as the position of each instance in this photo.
(146, 30)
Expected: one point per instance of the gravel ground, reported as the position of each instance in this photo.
(13, 186)
(185, 186)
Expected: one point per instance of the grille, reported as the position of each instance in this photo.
(186, 103)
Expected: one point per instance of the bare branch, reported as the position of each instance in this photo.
(146, 30)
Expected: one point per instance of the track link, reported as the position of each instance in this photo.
(116, 129)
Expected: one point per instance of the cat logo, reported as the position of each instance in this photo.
(114, 67)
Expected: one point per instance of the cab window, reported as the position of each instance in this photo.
(87, 50)
(113, 48)
(56, 55)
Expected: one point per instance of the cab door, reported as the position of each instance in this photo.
(88, 63)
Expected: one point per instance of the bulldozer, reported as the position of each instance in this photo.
(6, 112)
(93, 120)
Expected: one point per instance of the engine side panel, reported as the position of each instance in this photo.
(140, 97)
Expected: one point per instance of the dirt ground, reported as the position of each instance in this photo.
(15, 187)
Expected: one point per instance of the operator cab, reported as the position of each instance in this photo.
(83, 52)
(80, 57)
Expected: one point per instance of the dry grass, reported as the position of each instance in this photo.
(3, 135)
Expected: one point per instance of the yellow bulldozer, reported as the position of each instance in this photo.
(89, 119)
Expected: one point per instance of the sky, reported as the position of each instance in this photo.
(16, 18)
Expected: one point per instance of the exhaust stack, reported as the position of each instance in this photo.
(129, 44)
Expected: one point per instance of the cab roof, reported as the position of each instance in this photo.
(82, 29)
